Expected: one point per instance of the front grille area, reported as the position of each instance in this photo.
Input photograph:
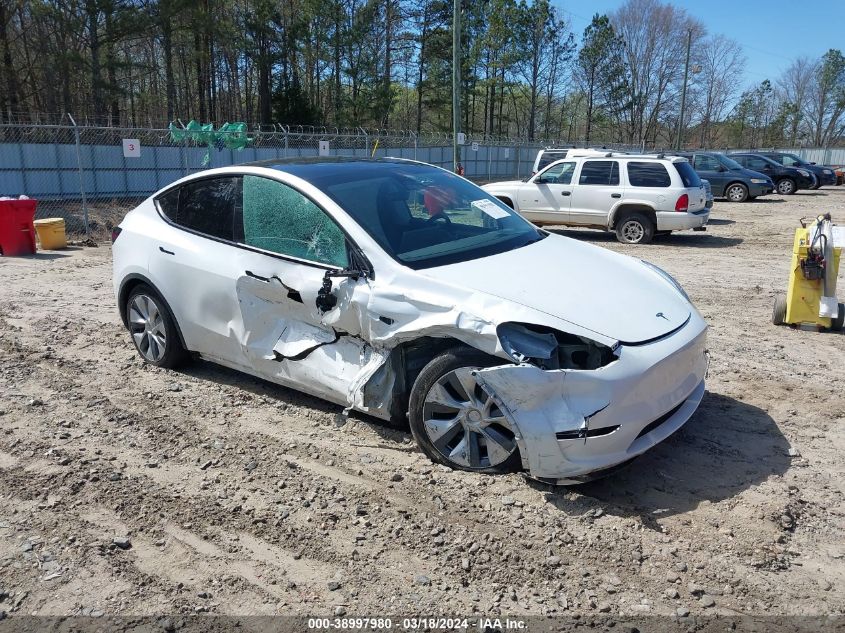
(653, 425)
(579, 434)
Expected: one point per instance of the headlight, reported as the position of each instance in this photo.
(804, 172)
(759, 181)
(827, 172)
(552, 349)
(668, 278)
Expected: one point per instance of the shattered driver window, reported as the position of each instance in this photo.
(278, 218)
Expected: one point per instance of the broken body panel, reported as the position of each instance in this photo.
(259, 313)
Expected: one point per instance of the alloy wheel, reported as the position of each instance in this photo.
(146, 324)
(785, 187)
(464, 424)
(632, 231)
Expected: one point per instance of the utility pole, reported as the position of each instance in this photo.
(456, 82)
(684, 93)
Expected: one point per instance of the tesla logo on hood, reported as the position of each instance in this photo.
(660, 315)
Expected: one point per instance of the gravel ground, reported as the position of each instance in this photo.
(126, 489)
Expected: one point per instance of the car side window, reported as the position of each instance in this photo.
(547, 158)
(757, 164)
(706, 163)
(789, 161)
(599, 172)
(648, 174)
(278, 218)
(169, 204)
(206, 206)
(559, 174)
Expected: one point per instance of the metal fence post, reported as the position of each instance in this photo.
(489, 161)
(415, 144)
(286, 129)
(366, 142)
(81, 178)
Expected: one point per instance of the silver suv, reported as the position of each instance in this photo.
(636, 196)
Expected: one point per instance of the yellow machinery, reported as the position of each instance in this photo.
(810, 301)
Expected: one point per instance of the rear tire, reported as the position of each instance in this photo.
(153, 328)
(635, 228)
(736, 192)
(785, 186)
(455, 422)
(779, 311)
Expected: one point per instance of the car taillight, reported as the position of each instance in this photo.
(683, 203)
(115, 233)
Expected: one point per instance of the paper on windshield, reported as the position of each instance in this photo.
(490, 208)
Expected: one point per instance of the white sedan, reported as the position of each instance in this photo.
(401, 290)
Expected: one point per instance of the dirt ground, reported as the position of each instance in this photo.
(126, 489)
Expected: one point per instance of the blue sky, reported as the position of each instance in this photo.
(772, 33)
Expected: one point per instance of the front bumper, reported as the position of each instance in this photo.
(680, 221)
(755, 190)
(827, 180)
(804, 182)
(570, 423)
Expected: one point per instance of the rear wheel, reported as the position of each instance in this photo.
(786, 186)
(736, 192)
(779, 310)
(635, 228)
(455, 421)
(153, 328)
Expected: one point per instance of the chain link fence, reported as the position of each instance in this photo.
(91, 176)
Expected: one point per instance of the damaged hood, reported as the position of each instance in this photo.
(613, 295)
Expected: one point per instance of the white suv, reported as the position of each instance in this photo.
(637, 196)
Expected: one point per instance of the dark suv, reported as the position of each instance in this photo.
(824, 175)
(787, 180)
(728, 178)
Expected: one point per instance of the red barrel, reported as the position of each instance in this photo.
(17, 234)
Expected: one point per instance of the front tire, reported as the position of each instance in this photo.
(153, 328)
(506, 200)
(839, 322)
(736, 192)
(455, 421)
(635, 228)
(779, 310)
(786, 186)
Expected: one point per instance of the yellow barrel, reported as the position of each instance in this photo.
(51, 233)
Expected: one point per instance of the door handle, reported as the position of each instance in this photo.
(566, 193)
(165, 251)
(616, 195)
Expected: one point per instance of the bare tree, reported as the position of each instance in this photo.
(655, 37)
(793, 87)
(720, 63)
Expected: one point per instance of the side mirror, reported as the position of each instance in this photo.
(812, 163)
(325, 298)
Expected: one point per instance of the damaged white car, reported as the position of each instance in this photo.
(399, 289)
